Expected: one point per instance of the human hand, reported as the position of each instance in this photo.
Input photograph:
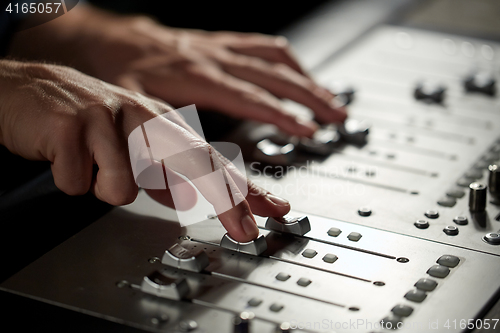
(58, 114)
(243, 75)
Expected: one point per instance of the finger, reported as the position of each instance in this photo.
(72, 169)
(114, 182)
(284, 82)
(184, 193)
(246, 100)
(71, 163)
(274, 49)
(261, 202)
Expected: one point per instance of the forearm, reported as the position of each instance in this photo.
(60, 41)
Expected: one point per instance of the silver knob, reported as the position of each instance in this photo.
(494, 180)
(182, 258)
(291, 225)
(163, 286)
(477, 197)
(255, 247)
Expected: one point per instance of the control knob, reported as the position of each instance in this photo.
(477, 197)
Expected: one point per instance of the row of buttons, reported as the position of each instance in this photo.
(450, 230)
(303, 282)
(329, 257)
(424, 285)
(275, 307)
(353, 236)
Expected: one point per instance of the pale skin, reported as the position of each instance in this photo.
(75, 121)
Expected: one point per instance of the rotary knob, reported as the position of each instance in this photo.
(290, 225)
(163, 286)
(477, 197)
(430, 92)
(242, 322)
(182, 258)
(255, 247)
(481, 82)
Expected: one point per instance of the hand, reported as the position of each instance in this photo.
(243, 75)
(58, 114)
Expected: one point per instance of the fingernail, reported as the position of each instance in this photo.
(248, 225)
(277, 200)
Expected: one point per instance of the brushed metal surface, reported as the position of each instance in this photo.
(415, 153)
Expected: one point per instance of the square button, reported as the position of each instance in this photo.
(354, 236)
(309, 253)
(254, 302)
(330, 258)
(426, 284)
(304, 282)
(275, 307)
(439, 271)
(282, 276)
(416, 295)
(402, 310)
(334, 232)
(448, 261)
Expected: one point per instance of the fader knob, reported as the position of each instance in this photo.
(494, 180)
(354, 131)
(477, 197)
(163, 286)
(255, 247)
(429, 92)
(291, 225)
(481, 82)
(242, 322)
(180, 257)
(273, 153)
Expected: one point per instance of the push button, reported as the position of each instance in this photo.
(282, 276)
(451, 230)
(460, 220)
(455, 192)
(309, 253)
(275, 307)
(438, 271)
(354, 236)
(402, 310)
(426, 284)
(334, 232)
(330, 258)
(421, 224)
(303, 282)
(448, 261)
(416, 296)
(254, 302)
(432, 214)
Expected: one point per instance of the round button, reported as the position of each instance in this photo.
(364, 211)
(460, 220)
(432, 214)
(451, 230)
(421, 224)
(492, 238)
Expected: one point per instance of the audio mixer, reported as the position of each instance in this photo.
(395, 221)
